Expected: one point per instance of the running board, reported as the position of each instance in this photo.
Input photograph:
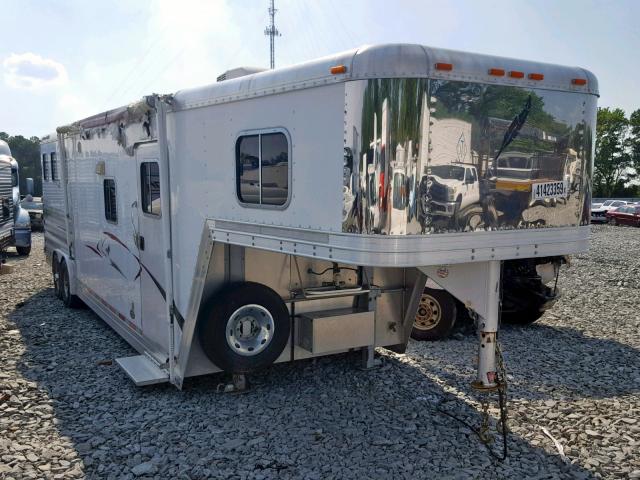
(142, 370)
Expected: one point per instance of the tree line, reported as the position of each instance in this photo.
(617, 161)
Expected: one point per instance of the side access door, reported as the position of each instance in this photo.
(150, 242)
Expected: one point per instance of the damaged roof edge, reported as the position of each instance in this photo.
(129, 113)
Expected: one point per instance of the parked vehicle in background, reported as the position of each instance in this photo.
(625, 215)
(12, 213)
(600, 214)
(528, 290)
(33, 206)
(6, 200)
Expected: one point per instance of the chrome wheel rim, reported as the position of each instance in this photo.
(475, 221)
(429, 313)
(250, 330)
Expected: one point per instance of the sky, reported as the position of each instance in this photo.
(63, 60)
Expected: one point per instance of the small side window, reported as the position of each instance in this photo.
(54, 167)
(262, 169)
(45, 167)
(14, 177)
(150, 187)
(110, 204)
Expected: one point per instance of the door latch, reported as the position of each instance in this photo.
(139, 242)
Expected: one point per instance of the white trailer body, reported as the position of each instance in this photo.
(172, 203)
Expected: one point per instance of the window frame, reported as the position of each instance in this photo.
(259, 132)
(115, 197)
(53, 160)
(150, 214)
(46, 172)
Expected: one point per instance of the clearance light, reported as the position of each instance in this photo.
(516, 74)
(536, 76)
(338, 69)
(578, 81)
(447, 67)
(496, 72)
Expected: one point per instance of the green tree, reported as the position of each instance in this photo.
(634, 139)
(613, 159)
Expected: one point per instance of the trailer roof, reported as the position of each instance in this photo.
(370, 61)
(392, 61)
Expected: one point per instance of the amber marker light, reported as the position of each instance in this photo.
(516, 74)
(536, 76)
(579, 81)
(338, 69)
(447, 67)
(496, 72)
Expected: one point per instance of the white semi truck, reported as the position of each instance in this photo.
(15, 225)
(213, 228)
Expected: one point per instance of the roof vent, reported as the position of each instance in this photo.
(239, 72)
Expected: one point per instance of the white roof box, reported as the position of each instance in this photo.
(239, 72)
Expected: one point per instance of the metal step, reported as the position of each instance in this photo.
(142, 370)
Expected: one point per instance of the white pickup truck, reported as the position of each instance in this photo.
(452, 188)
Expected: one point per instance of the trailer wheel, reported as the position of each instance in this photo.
(69, 300)
(55, 271)
(436, 316)
(244, 327)
(24, 251)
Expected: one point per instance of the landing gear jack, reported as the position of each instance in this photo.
(463, 282)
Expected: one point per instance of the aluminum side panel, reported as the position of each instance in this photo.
(203, 167)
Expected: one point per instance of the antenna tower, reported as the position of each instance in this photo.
(272, 32)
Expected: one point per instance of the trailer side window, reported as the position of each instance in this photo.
(150, 187)
(45, 167)
(54, 167)
(262, 169)
(110, 205)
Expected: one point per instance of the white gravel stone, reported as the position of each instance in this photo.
(65, 413)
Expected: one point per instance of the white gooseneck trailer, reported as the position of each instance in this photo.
(266, 218)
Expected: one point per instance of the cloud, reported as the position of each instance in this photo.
(31, 71)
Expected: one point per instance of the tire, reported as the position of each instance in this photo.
(436, 316)
(55, 272)
(224, 321)
(471, 217)
(613, 221)
(69, 300)
(526, 317)
(24, 251)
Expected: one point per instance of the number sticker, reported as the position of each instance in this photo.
(541, 191)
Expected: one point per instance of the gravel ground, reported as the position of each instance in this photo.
(67, 411)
